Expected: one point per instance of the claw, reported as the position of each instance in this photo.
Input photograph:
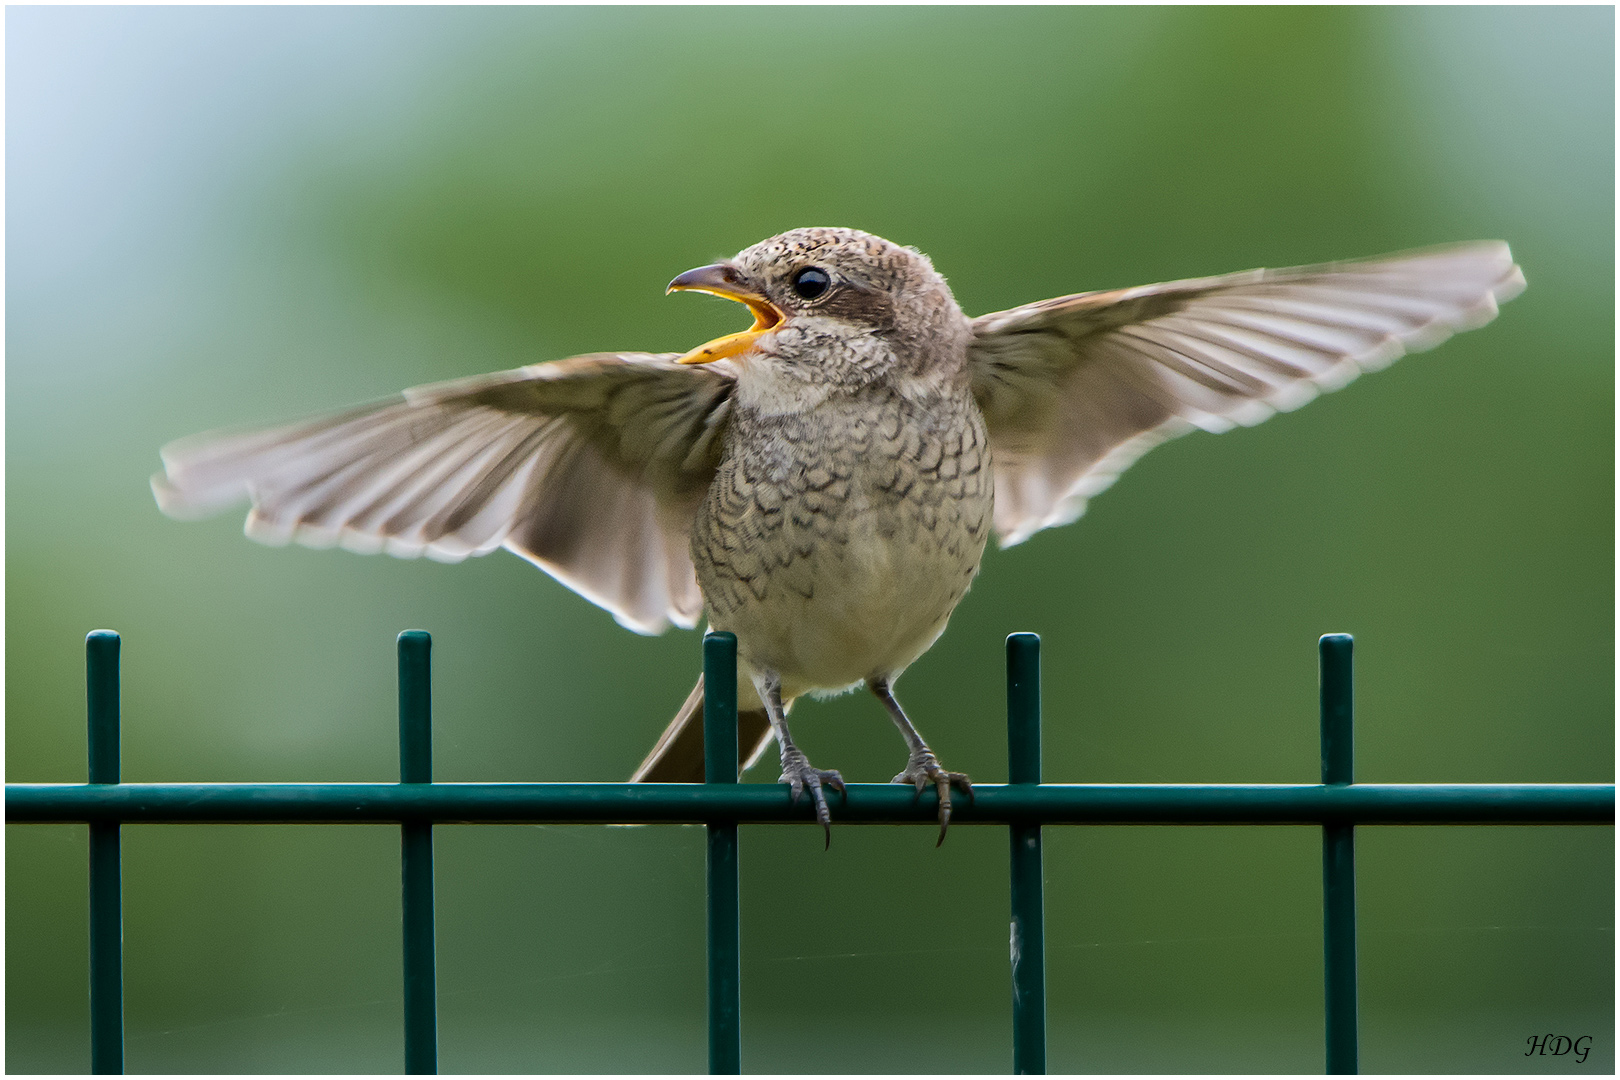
(942, 784)
(798, 774)
(924, 769)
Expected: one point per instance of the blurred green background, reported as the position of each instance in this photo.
(224, 216)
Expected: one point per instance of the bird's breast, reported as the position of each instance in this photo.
(835, 542)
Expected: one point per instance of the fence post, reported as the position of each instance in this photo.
(725, 942)
(101, 648)
(1338, 856)
(1028, 879)
(416, 854)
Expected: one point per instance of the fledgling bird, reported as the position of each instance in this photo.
(824, 482)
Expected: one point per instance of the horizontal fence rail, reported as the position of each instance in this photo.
(868, 804)
(1024, 806)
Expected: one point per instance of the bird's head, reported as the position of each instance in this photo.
(835, 305)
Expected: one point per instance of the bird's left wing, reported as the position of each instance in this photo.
(1075, 389)
(591, 468)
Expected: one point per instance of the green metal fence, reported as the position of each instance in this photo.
(1024, 804)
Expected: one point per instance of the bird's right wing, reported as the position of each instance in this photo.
(591, 468)
(1077, 388)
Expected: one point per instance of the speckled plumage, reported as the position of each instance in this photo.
(836, 542)
(854, 495)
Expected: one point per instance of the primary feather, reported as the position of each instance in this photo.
(590, 468)
(1076, 388)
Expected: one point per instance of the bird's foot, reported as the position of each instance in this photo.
(799, 774)
(923, 769)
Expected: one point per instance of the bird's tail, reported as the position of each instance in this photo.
(677, 757)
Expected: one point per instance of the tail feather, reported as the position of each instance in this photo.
(677, 757)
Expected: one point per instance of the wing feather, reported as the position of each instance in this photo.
(1076, 388)
(591, 468)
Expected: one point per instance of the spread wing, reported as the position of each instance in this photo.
(1076, 388)
(591, 468)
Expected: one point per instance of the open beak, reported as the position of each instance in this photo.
(723, 279)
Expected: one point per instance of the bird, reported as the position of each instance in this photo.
(823, 483)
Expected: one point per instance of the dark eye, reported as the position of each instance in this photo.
(811, 282)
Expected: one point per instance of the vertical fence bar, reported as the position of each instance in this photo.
(416, 854)
(725, 943)
(1028, 878)
(1338, 856)
(101, 648)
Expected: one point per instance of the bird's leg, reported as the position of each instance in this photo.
(797, 772)
(922, 767)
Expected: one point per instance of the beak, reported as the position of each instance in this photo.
(723, 279)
